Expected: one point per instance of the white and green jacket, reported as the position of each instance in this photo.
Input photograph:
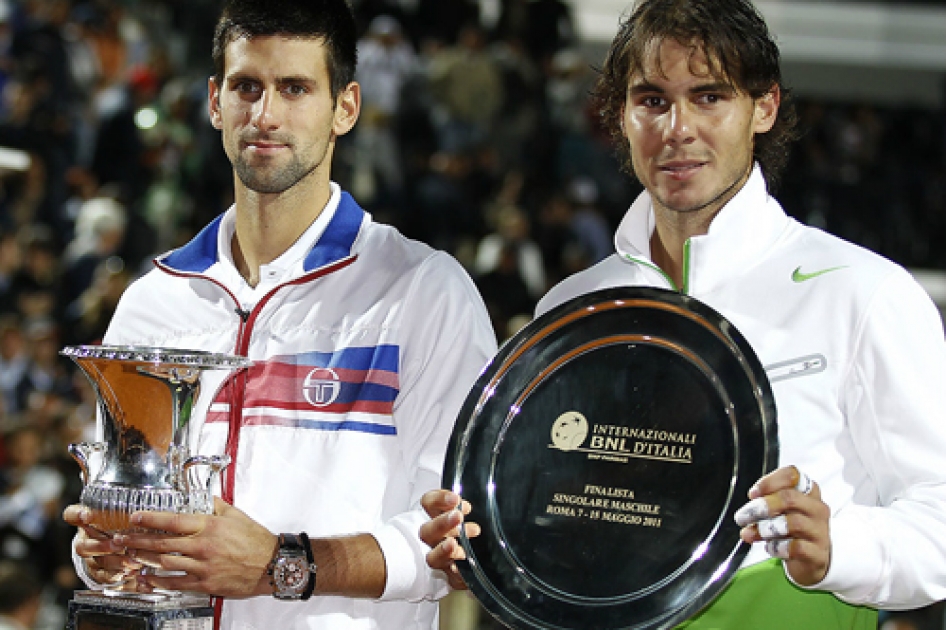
(855, 352)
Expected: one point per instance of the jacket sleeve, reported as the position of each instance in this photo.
(892, 554)
(450, 340)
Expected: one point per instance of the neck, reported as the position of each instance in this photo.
(267, 225)
(673, 228)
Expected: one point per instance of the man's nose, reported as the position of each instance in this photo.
(680, 124)
(266, 111)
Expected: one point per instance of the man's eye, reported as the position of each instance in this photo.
(245, 87)
(295, 90)
(652, 101)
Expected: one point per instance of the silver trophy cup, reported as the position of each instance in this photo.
(145, 461)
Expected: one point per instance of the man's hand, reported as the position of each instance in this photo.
(441, 532)
(105, 562)
(223, 554)
(793, 522)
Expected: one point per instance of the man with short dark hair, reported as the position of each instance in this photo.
(364, 345)
(855, 517)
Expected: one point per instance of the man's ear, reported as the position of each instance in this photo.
(213, 103)
(766, 110)
(347, 108)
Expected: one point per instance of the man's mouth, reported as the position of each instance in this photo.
(265, 148)
(681, 169)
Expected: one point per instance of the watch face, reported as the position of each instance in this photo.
(290, 574)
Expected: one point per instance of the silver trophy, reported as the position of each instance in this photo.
(145, 461)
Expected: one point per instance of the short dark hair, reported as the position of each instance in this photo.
(738, 47)
(329, 20)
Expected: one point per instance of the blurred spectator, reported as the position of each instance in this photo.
(468, 87)
(569, 82)
(504, 292)
(36, 286)
(14, 365)
(385, 63)
(30, 501)
(522, 110)
(592, 231)
(88, 316)
(450, 196)
(20, 596)
(168, 203)
(120, 152)
(47, 375)
(442, 20)
(513, 238)
(555, 237)
(551, 28)
(11, 259)
(99, 234)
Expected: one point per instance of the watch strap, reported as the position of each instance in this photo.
(310, 585)
(293, 543)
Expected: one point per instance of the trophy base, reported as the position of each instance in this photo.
(96, 610)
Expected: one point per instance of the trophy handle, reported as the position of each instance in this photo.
(82, 453)
(197, 493)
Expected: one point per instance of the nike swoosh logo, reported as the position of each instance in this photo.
(798, 276)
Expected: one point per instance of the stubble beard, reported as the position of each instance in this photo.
(269, 180)
(718, 200)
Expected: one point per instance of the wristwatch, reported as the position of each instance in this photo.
(292, 568)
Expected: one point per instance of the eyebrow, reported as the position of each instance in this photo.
(248, 76)
(646, 87)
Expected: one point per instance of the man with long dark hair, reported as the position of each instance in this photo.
(855, 517)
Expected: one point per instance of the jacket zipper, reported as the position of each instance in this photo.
(686, 269)
(244, 333)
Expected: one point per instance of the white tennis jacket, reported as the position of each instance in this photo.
(854, 350)
(365, 345)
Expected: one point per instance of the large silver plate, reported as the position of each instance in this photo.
(605, 450)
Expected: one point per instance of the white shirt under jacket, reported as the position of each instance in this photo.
(863, 412)
(366, 344)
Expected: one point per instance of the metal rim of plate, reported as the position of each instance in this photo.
(156, 355)
(544, 559)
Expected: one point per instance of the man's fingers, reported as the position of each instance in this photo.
(455, 580)
(777, 527)
(436, 502)
(472, 530)
(76, 515)
(140, 544)
(436, 529)
(778, 502)
(170, 522)
(752, 512)
(443, 555)
(787, 477)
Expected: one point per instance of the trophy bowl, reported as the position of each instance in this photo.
(146, 397)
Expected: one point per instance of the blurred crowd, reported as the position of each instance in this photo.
(476, 136)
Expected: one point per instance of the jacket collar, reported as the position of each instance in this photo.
(741, 233)
(335, 243)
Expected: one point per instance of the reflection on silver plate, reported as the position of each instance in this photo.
(605, 450)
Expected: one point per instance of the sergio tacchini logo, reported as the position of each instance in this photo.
(799, 276)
